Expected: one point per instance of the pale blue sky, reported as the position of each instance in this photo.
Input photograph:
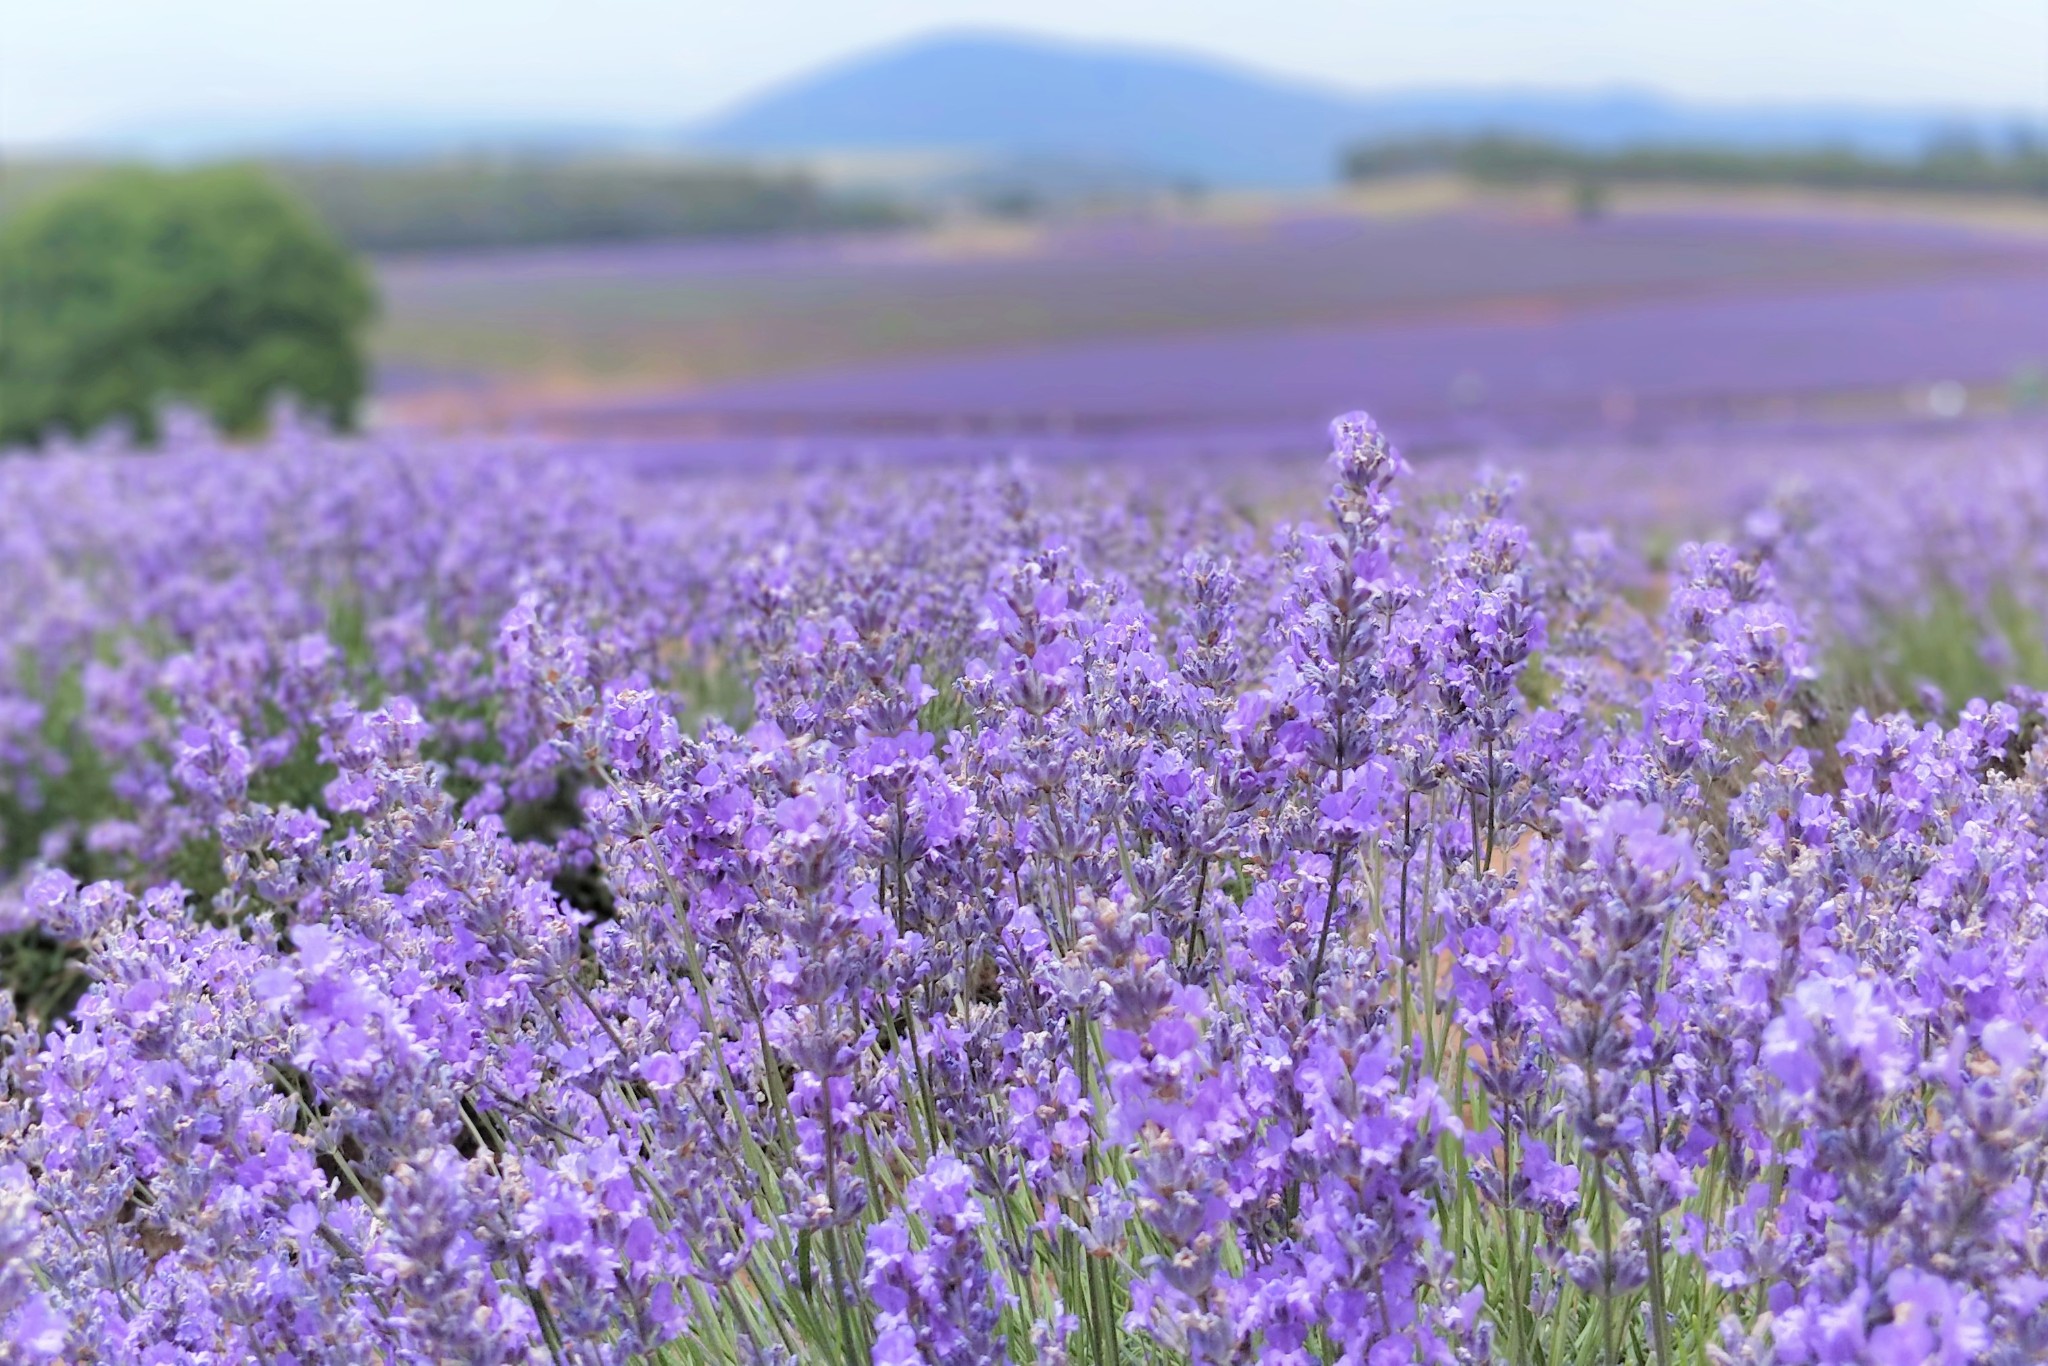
(76, 68)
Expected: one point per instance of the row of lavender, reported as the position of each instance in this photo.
(489, 910)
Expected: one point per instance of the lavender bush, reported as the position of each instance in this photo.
(469, 907)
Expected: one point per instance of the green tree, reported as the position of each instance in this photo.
(210, 287)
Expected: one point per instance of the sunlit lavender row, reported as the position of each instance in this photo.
(464, 905)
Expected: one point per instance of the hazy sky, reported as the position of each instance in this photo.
(74, 68)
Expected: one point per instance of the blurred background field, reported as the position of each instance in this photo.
(984, 241)
(1470, 322)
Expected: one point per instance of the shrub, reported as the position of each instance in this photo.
(208, 287)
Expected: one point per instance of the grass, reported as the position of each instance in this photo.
(1941, 645)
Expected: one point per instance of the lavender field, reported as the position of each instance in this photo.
(1233, 336)
(483, 901)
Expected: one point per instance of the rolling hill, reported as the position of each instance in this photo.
(1047, 110)
(1002, 95)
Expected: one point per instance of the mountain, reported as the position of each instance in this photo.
(1001, 95)
(1014, 97)
(1001, 108)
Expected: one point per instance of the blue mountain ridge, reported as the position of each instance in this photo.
(1014, 99)
(1005, 95)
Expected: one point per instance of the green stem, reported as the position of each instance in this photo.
(1606, 1229)
(1315, 976)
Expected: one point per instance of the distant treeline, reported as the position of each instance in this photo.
(1961, 163)
(462, 202)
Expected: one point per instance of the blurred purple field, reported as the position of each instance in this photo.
(1462, 327)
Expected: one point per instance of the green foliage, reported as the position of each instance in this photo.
(1537, 684)
(948, 711)
(42, 975)
(713, 689)
(458, 202)
(210, 287)
(1589, 197)
(77, 794)
(1956, 163)
(518, 201)
(1944, 645)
